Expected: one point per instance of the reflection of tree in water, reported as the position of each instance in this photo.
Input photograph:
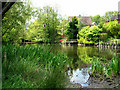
(75, 64)
(86, 54)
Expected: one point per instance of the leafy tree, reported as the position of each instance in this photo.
(14, 21)
(113, 29)
(62, 26)
(96, 19)
(110, 14)
(89, 34)
(50, 22)
(45, 28)
(35, 32)
(102, 21)
(94, 34)
(81, 36)
(80, 25)
(72, 29)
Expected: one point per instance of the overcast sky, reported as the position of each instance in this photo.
(82, 7)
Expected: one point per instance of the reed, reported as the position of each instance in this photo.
(32, 67)
(109, 69)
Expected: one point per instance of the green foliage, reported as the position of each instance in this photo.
(96, 19)
(14, 21)
(45, 28)
(113, 29)
(35, 31)
(114, 65)
(110, 14)
(89, 34)
(32, 67)
(62, 26)
(109, 69)
(103, 37)
(96, 67)
(72, 29)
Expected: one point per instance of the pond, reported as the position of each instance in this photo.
(81, 59)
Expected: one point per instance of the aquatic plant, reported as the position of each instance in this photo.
(96, 67)
(115, 65)
(32, 66)
(109, 69)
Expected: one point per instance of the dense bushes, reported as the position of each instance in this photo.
(112, 29)
(89, 34)
(96, 34)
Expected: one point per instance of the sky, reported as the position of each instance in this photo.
(79, 7)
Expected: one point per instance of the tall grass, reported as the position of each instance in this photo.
(109, 69)
(32, 67)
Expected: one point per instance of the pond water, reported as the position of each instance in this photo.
(82, 56)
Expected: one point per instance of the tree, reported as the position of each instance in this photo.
(6, 6)
(113, 29)
(62, 26)
(93, 34)
(72, 29)
(14, 21)
(89, 34)
(80, 25)
(51, 22)
(110, 14)
(45, 27)
(96, 19)
(101, 21)
(35, 31)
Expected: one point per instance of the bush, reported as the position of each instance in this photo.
(89, 34)
(112, 28)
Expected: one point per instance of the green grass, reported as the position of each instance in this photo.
(109, 69)
(32, 67)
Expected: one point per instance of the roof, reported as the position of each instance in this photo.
(85, 19)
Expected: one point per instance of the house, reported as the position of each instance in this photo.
(84, 19)
(117, 17)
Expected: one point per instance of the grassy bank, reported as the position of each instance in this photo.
(32, 67)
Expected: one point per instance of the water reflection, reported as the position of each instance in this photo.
(81, 57)
(79, 76)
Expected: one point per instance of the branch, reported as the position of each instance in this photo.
(6, 30)
(6, 7)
